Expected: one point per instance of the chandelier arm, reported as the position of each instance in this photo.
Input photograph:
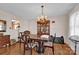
(42, 9)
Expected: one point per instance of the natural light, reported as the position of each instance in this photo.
(74, 24)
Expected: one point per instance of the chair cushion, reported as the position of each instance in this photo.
(48, 44)
(44, 36)
(59, 40)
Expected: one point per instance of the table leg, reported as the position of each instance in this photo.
(40, 47)
(75, 47)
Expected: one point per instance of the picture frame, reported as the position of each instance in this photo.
(2, 26)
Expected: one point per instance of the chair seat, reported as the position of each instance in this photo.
(48, 44)
(44, 36)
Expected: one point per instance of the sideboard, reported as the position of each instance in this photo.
(4, 40)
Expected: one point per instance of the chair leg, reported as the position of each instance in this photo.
(31, 51)
(20, 42)
(24, 50)
(53, 50)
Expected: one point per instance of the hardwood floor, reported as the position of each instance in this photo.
(60, 49)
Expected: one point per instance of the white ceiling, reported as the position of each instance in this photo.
(32, 10)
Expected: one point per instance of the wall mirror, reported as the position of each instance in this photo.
(2, 26)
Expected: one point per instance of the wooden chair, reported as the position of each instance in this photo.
(28, 44)
(49, 42)
(21, 34)
(26, 32)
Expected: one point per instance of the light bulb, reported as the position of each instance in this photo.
(46, 17)
(13, 20)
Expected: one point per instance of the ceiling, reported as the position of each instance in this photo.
(32, 10)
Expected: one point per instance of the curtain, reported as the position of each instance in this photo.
(74, 24)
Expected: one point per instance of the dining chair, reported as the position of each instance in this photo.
(49, 41)
(21, 34)
(26, 32)
(28, 44)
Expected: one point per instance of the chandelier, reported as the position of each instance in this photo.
(42, 18)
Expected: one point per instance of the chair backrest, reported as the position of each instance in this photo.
(26, 32)
(49, 38)
(26, 39)
(21, 34)
(27, 44)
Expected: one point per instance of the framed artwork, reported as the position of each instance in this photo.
(15, 24)
(2, 26)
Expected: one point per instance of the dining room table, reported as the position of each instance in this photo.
(36, 38)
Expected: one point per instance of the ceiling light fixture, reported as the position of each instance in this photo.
(42, 18)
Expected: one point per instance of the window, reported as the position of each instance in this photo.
(74, 24)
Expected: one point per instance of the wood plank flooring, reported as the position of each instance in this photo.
(59, 49)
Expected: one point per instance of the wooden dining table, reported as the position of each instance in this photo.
(40, 41)
(36, 38)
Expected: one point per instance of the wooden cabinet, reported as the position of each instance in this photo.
(4, 40)
(43, 27)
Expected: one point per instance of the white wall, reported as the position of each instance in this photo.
(59, 27)
(12, 32)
